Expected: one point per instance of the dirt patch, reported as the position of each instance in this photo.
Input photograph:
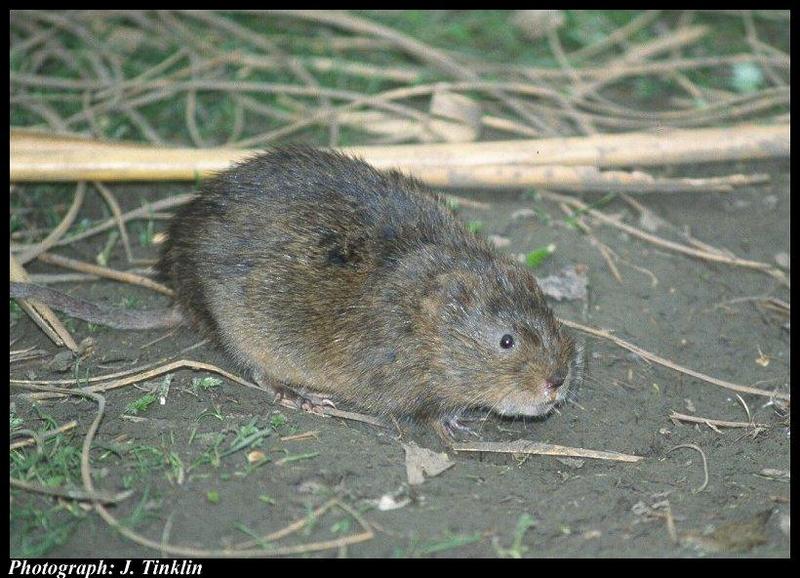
(193, 487)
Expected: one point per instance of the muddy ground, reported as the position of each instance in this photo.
(486, 504)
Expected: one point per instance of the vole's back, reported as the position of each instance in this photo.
(297, 207)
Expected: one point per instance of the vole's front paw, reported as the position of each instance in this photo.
(289, 397)
(449, 427)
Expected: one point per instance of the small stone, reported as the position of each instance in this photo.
(499, 241)
(770, 201)
(523, 214)
(570, 283)
(782, 259)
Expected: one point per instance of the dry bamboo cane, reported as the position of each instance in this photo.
(45, 157)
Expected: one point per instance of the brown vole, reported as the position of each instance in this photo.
(319, 273)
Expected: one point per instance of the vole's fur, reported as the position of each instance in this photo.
(318, 272)
(322, 275)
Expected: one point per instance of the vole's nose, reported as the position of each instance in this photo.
(556, 380)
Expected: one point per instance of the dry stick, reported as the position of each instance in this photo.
(619, 35)
(105, 272)
(262, 109)
(391, 127)
(572, 178)
(25, 354)
(605, 251)
(416, 49)
(302, 436)
(354, 68)
(349, 415)
(637, 54)
(642, 148)
(506, 125)
(626, 124)
(706, 93)
(320, 64)
(381, 101)
(267, 45)
(141, 123)
(18, 48)
(718, 257)
(529, 447)
(705, 463)
(681, 79)
(117, 212)
(147, 74)
(48, 113)
(238, 123)
(643, 51)
(575, 179)
(558, 51)
(99, 50)
(765, 98)
(41, 314)
(297, 525)
(186, 363)
(145, 375)
(71, 494)
(35, 250)
(758, 46)
(136, 87)
(724, 110)
(106, 377)
(191, 121)
(91, 118)
(728, 110)
(773, 15)
(334, 43)
(674, 415)
(605, 334)
(141, 212)
(622, 70)
(367, 533)
(670, 41)
(32, 155)
(51, 278)
(43, 436)
(165, 89)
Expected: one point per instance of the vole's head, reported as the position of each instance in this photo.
(496, 344)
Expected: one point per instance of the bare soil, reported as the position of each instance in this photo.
(579, 508)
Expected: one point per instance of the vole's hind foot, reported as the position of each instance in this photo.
(310, 402)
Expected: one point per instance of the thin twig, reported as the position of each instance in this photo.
(605, 334)
(705, 464)
(705, 255)
(529, 447)
(52, 239)
(674, 415)
(43, 436)
(105, 272)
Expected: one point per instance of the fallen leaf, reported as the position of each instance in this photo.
(737, 536)
(422, 461)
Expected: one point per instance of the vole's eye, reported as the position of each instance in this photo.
(506, 341)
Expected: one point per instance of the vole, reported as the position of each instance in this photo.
(326, 277)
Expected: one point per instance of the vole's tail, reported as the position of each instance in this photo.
(98, 314)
